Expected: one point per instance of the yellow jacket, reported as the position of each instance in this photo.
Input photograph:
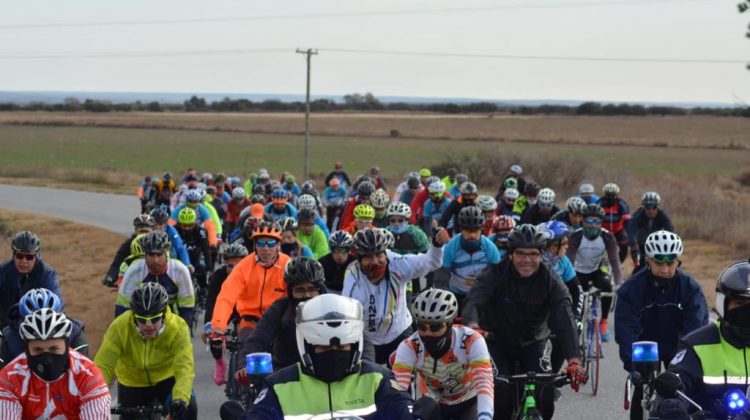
(138, 362)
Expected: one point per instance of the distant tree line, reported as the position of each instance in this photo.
(368, 102)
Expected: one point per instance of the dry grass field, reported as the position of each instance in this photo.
(699, 131)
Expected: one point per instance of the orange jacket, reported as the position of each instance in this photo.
(251, 289)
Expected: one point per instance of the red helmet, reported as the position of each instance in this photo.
(503, 223)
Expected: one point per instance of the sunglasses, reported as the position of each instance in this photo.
(305, 290)
(650, 206)
(341, 250)
(27, 257)
(527, 255)
(266, 243)
(431, 327)
(664, 258)
(593, 221)
(149, 319)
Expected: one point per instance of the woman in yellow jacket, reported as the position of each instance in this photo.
(148, 349)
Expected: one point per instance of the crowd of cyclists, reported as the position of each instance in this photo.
(418, 304)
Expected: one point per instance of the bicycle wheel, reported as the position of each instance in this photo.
(596, 349)
(232, 390)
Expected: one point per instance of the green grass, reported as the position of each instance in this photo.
(30, 149)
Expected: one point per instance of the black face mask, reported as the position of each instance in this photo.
(438, 346)
(332, 365)
(48, 366)
(738, 320)
(289, 249)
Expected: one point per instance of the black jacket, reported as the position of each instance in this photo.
(334, 273)
(196, 243)
(122, 253)
(639, 227)
(451, 212)
(517, 311)
(534, 216)
(13, 284)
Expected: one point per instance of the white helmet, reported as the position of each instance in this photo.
(586, 189)
(306, 201)
(326, 320)
(399, 209)
(486, 203)
(651, 198)
(238, 193)
(380, 199)
(45, 324)
(575, 204)
(663, 242)
(435, 305)
(516, 169)
(611, 189)
(436, 188)
(511, 194)
(546, 196)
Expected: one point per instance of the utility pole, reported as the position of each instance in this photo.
(308, 53)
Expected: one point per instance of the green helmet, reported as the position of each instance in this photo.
(187, 216)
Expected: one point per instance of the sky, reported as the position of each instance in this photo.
(491, 49)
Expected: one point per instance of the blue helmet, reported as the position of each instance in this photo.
(279, 194)
(554, 230)
(193, 196)
(36, 299)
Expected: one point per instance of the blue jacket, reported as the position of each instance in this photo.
(289, 211)
(178, 246)
(645, 312)
(14, 284)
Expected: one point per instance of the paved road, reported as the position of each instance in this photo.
(116, 212)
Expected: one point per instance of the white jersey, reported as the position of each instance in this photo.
(590, 254)
(386, 311)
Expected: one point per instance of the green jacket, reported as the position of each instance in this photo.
(214, 215)
(316, 241)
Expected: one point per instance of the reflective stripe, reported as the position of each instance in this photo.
(721, 380)
(358, 412)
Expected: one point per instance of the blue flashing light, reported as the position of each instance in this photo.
(735, 401)
(259, 364)
(645, 352)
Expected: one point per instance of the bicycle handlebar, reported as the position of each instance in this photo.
(557, 379)
(140, 410)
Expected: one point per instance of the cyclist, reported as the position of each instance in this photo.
(234, 207)
(338, 173)
(452, 361)
(165, 188)
(244, 236)
(507, 201)
(374, 175)
(254, 283)
(233, 254)
(588, 193)
(146, 193)
(455, 191)
(542, 210)
(408, 239)
(32, 301)
(207, 199)
(279, 207)
(307, 201)
(290, 245)
(49, 379)
(518, 301)
(161, 222)
(413, 186)
(26, 270)
(449, 180)
(516, 172)
(148, 349)
(528, 199)
(218, 203)
(435, 207)
(143, 223)
(193, 200)
(509, 183)
(404, 186)
(711, 360)
(331, 375)
(554, 256)
(264, 180)
(334, 198)
(466, 255)
(194, 237)
(593, 252)
(616, 215)
(662, 303)
(290, 186)
(488, 205)
(417, 204)
(467, 198)
(500, 232)
(646, 220)
(573, 213)
(159, 268)
(379, 201)
(363, 190)
(310, 234)
(378, 279)
(335, 263)
(364, 214)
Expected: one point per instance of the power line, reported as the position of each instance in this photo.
(135, 54)
(370, 13)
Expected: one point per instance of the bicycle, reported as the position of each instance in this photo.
(525, 406)
(155, 411)
(590, 341)
(640, 384)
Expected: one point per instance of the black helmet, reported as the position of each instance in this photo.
(526, 236)
(593, 210)
(143, 221)
(159, 215)
(149, 298)
(25, 241)
(235, 250)
(167, 176)
(370, 241)
(470, 217)
(257, 199)
(288, 224)
(734, 281)
(156, 241)
(306, 213)
(531, 189)
(303, 270)
(259, 189)
(366, 188)
(468, 188)
(413, 182)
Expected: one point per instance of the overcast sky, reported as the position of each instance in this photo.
(42, 48)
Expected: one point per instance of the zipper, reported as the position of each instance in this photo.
(262, 287)
(330, 399)
(145, 361)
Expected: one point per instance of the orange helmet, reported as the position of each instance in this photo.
(268, 230)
